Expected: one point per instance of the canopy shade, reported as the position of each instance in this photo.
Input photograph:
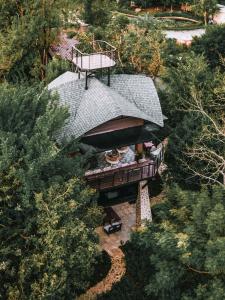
(120, 138)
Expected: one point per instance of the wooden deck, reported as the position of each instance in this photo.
(93, 62)
(116, 177)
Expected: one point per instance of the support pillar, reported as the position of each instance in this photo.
(86, 80)
(108, 76)
(139, 148)
(143, 206)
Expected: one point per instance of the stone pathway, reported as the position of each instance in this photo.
(116, 272)
(127, 213)
(184, 36)
(111, 243)
(143, 206)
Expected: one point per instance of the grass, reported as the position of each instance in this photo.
(177, 14)
(186, 27)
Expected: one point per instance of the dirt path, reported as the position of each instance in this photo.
(116, 272)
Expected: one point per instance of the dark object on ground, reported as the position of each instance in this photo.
(112, 221)
(102, 267)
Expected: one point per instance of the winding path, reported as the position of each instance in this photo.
(186, 36)
(116, 272)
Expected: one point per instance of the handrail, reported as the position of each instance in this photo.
(111, 177)
(104, 42)
(78, 55)
(98, 52)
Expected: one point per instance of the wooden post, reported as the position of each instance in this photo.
(86, 80)
(139, 148)
(108, 76)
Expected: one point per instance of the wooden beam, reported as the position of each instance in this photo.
(139, 148)
(116, 124)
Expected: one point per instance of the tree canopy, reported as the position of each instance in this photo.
(48, 215)
(186, 248)
(27, 30)
(212, 45)
(195, 106)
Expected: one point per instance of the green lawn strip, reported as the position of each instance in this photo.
(181, 28)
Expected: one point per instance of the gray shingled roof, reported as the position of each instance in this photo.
(128, 95)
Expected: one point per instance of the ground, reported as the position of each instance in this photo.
(127, 213)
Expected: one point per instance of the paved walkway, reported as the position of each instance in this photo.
(186, 36)
(127, 213)
(111, 243)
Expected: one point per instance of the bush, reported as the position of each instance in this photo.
(70, 34)
(177, 14)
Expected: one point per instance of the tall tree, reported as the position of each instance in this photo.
(212, 45)
(27, 30)
(48, 215)
(195, 101)
(205, 8)
(139, 45)
(186, 249)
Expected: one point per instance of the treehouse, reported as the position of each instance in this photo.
(117, 119)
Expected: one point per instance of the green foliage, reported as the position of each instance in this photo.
(55, 68)
(181, 246)
(97, 12)
(27, 30)
(48, 215)
(205, 8)
(103, 265)
(194, 102)
(177, 14)
(182, 255)
(139, 45)
(212, 45)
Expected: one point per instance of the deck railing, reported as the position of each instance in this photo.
(100, 48)
(133, 172)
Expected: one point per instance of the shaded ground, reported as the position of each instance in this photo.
(127, 213)
(102, 268)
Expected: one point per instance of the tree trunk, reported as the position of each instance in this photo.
(206, 17)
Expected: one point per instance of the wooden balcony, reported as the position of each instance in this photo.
(114, 177)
